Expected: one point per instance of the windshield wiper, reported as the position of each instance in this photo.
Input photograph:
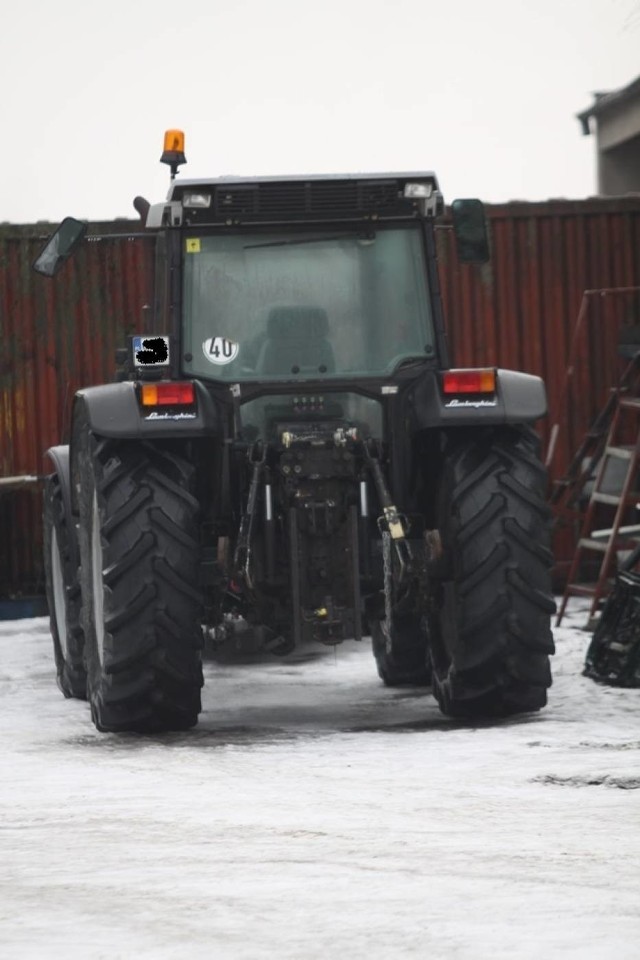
(413, 361)
(365, 237)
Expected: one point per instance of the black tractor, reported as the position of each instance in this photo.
(293, 451)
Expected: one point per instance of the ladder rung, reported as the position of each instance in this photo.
(632, 531)
(614, 500)
(631, 403)
(581, 589)
(586, 543)
(606, 498)
(623, 453)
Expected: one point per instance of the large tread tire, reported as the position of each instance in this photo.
(140, 574)
(406, 664)
(64, 597)
(489, 623)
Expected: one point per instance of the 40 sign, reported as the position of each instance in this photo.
(219, 350)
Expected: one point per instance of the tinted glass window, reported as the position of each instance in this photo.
(304, 305)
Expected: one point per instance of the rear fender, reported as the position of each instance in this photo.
(519, 398)
(112, 410)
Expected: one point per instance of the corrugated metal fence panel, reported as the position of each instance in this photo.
(517, 311)
(56, 335)
(520, 309)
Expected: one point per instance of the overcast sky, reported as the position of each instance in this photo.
(485, 93)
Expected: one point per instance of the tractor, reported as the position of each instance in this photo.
(291, 449)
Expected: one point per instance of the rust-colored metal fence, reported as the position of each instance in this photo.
(519, 311)
(55, 337)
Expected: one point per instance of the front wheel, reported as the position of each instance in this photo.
(140, 575)
(402, 658)
(489, 618)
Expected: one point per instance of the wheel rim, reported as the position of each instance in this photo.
(59, 598)
(96, 579)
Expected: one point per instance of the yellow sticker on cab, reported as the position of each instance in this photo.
(193, 245)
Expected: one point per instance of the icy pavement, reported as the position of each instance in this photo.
(315, 814)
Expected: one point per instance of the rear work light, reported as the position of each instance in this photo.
(197, 200)
(469, 381)
(167, 394)
(418, 191)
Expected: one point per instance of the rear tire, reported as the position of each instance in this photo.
(489, 622)
(140, 574)
(64, 598)
(406, 663)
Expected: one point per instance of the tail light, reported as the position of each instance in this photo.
(167, 394)
(482, 380)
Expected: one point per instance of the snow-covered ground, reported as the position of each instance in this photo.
(315, 814)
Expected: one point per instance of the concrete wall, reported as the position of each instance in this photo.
(618, 143)
(619, 169)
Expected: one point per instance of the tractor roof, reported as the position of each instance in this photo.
(299, 198)
(423, 176)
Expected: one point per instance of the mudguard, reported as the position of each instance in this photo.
(113, 411)
(519, 398)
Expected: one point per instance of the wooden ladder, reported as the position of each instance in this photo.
(616, 537)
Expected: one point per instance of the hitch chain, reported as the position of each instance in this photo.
(388, 591)
(393, 530)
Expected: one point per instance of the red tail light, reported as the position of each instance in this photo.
(482, 380)
(167, 394)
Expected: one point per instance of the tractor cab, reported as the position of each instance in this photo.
(287, 444)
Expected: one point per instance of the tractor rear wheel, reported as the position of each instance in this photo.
(64, 597)
(140, 574)
(489, 622)
(404, 662)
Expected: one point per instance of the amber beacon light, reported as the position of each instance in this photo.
(173, 150)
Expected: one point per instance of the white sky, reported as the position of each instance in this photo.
(484, 92)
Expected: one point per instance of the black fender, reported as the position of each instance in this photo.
(59, 456)
(112, 410)
(519, 398)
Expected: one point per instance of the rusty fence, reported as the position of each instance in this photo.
(520, 310)
(55, 337)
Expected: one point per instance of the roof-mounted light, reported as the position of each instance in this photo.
(418, 191)
(196, 201)
(173, 150)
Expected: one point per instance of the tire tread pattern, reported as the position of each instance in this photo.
(71, 673)
(151, 675)
(407, 664)
(490, 621)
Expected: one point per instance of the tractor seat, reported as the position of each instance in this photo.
(296, 343)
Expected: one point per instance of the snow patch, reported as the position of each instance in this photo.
(314, 814)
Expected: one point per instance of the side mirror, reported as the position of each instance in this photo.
(60, 246)
(470, 229)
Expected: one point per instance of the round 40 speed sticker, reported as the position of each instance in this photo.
(220, 350)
